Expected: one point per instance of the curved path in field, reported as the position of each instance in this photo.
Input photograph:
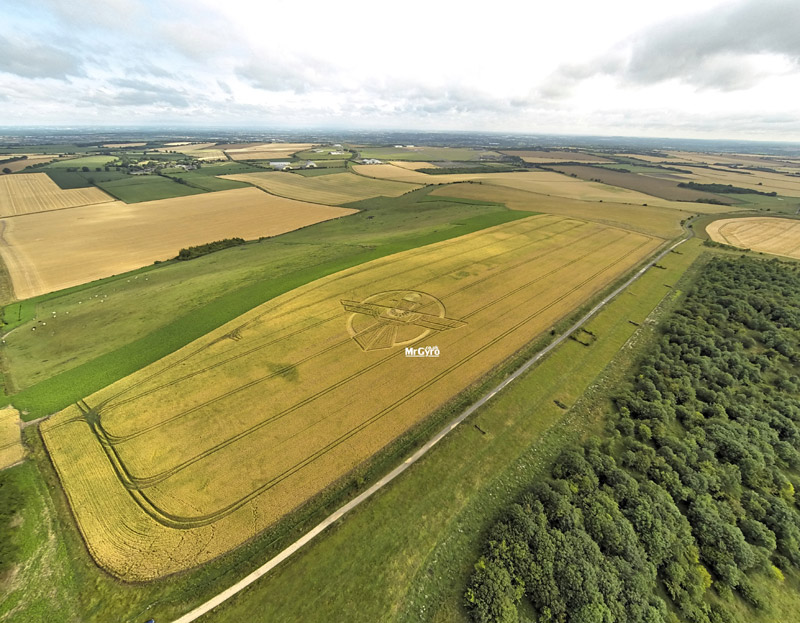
(334, 517)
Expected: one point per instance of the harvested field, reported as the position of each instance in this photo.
(20, 165)
(193, 455)
(265, 151)
(655, 186)
(334, 189)
(647, 158)
(413, 166)
(115, 237)
(535, 156)
(26, 193)
(778, 236)
(11, 449)
(428, 154)
(651, 220)
(85, 161)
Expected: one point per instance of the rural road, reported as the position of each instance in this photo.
(331, 519)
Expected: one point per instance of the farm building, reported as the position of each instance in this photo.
(371, 161)
(280, 166)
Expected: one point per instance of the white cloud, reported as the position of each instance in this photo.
(695, 66)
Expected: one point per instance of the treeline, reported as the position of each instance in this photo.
(12, 159)
(204, 249)
(687, 496)
(724, 188)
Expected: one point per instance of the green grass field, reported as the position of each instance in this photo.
(134, 189)
(145, 316)
(207, 182)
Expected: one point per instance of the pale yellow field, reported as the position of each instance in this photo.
(651, 220)
(26, 193)
(11, 449)
(123, 145)
(32, 159)
(267, 151)
(781, 163)
(769, 182)
(413, 166)
(201, 151)
(334, 189)
(218, 441)
(779, 236)
(112, 238)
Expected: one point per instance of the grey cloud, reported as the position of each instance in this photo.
(288, 74)
(132, 92)
(31, 59)
(707, 51)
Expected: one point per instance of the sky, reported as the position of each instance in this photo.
(683, 69)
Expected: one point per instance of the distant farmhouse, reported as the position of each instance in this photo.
(280, 166)
(371, 161)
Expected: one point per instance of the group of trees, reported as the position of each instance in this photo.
(204, 249)
(724, 188)
(689, 493)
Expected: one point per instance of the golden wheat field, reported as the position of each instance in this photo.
(112, 238)
(26, 193)
(334, 189)
(11, 450)
(779, 236)
(202, 450)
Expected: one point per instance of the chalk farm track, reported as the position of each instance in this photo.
(202, 450)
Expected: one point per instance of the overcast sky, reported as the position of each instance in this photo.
(686, 68)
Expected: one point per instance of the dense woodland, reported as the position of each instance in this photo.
(671, 515)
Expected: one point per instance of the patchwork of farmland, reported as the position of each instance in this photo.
(650, 220)
(334, 189)
(552, 156)
(657, 187)
(779, 236)
(19, 165)
(27, 193)
(446, 154)
(11, 450)
(264, 151)
(202, 450)
(114, 237)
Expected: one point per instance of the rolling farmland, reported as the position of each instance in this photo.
(651, 220)
(552, 156)
(114, 237)
(334, 189)
(27, 193)
(779, 236)
(279, 393)
(264, 151)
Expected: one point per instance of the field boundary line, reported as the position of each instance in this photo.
(249, 579)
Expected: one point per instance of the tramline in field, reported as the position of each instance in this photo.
(202, 450)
